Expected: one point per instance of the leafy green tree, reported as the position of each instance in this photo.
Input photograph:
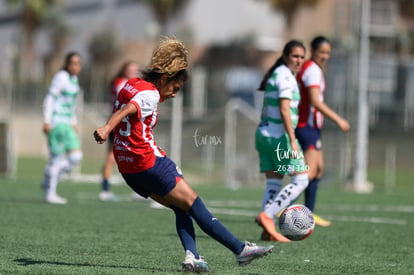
(104, 48)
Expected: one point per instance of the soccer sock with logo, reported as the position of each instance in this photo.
(185, 230)
(273, 186)
(310, 194)
(288, 194)
(213, 227)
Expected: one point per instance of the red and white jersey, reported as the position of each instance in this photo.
(134, 147)
(310, 76)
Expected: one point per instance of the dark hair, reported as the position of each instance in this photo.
(121, 72)
(318, 41)
(281, 60)
(152, 76)
(123, 68)
(68, 58)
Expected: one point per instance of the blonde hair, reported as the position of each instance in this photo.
(169, 57)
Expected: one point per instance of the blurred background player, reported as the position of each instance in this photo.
(279, 151)
(60, 126)
(147, 169)
(312, 110)
(127, 71)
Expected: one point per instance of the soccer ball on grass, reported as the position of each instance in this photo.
(296, 222)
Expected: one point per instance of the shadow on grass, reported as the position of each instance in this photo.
(28, 262)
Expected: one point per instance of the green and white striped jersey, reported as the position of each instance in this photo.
(59, 105)
(281, 84)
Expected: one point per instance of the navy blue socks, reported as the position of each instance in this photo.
(213, 227)
(105, 185)
(185, 230)
(310, 194)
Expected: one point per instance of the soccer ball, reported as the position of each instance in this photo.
(296, 222)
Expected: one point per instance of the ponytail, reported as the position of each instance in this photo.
(280, 61)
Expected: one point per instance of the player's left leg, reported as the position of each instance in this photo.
(106, 194)
(51, 179)
(288, 194)
(311, 191)
(313, 160)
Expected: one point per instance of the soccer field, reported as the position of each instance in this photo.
(371, 234)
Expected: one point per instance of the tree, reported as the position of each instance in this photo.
(59, 34)
(32, 15)
(104, 47)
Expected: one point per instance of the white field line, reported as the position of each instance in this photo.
(368, 220)
(335, 207)
(369, 208)
(232, 207)
(336, 218)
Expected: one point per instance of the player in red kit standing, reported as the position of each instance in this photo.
(312, 110)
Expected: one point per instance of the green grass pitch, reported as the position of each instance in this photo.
(371, 234)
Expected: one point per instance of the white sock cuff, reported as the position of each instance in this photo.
(300, 177)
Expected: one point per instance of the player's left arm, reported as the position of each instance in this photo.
(284, 105)
(102, 133)
(326, 110)
(74, 119)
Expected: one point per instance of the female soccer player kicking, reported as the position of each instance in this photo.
(147, 169)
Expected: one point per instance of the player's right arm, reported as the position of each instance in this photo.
(102, 133)
(55, 88)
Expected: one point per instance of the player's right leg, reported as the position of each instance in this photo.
(288, 194)
(273, 185)
(106, 194)
(51, 178)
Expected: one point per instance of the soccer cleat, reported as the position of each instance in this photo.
(251, 252)
(107, 196)
(320, 221)
(191, 264)
(56, 199)
(268, 225)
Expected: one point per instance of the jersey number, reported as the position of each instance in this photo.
(127, 128)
